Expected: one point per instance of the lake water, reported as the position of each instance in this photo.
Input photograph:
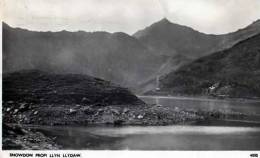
(156, 138)
(217, 135)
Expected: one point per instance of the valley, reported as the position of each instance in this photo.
(102, 90)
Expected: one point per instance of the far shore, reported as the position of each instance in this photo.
(199, 98)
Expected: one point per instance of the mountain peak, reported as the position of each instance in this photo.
(256, 23)
(165, 20)
(168, 38)
(5, 25)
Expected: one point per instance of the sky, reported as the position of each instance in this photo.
(208, 16)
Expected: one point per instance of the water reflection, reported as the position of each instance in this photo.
(157, 138)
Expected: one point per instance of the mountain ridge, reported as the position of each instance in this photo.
(117, 57)
(168, 38)
(233, 72)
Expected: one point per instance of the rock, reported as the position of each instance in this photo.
(125, 110)
(132, 116)
(23, 107)
(20, 116)
(8, 109)
(15, 111)
(18, 130)
(72, 111)
(100, 111)
(88, 110)
(140, 116)
(158, 105)
(176, 108)
(115, 111)
(100, 104)
(84, 100)
(11, 144)
(35, 113)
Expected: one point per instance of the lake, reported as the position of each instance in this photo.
(156, 138)
(210, 135)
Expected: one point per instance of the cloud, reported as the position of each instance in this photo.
(213, 16)
(210, 16)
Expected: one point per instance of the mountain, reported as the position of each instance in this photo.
(167, 38)
(116, 57)
(131, 61)
(230, 39)
(234, 72)
(38, 87)
(170, 39)
(182, 45)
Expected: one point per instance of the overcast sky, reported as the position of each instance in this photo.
(209, 16)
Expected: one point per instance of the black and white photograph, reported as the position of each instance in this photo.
(138, 75)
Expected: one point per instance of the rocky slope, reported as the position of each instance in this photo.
(35, 96)
(16, 137)
(233, 72)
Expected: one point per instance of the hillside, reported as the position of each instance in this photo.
(182, 45)
(234, 72)
(55, 98)
(40, 98)
(48, 88)
(115, 57)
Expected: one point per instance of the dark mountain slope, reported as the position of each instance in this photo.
(181, 45)
(172, 64)
(229, 40)
(234, 72)
(116, 57)
(35, 86)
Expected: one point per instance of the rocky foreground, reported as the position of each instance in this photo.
(16, 137)
(40, 98)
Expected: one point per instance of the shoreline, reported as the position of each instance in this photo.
(25, 115)
(200, 98)
(37, 137)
